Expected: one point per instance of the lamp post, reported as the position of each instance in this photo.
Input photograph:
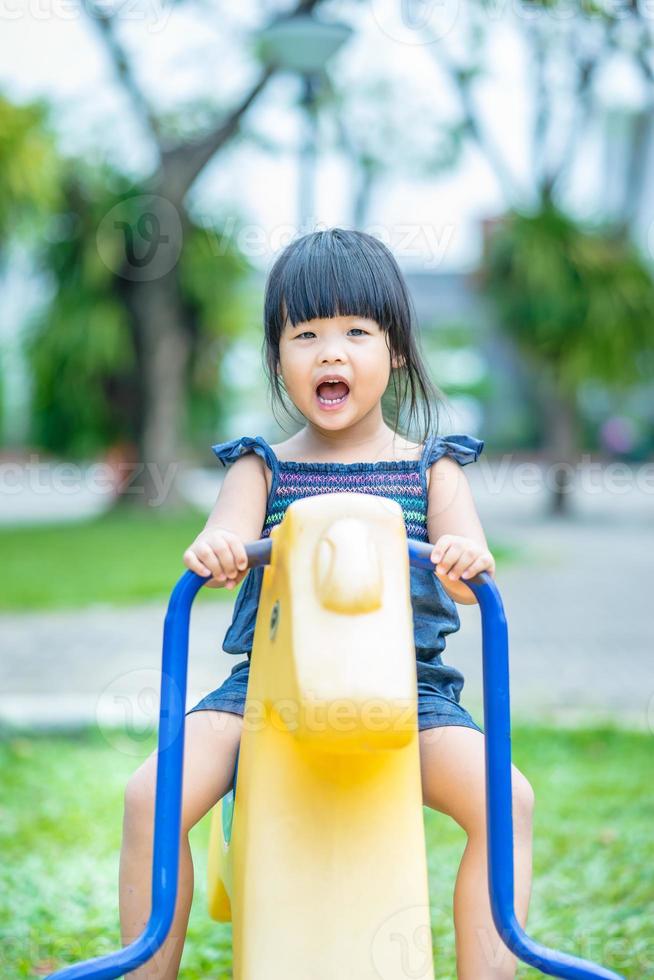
(303, 44)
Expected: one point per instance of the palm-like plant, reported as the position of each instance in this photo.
(579, 304)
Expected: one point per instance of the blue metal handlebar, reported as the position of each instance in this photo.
(499, 816)
(168, 800)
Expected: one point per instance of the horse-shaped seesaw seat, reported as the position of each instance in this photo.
(317, 853)
(327, 848)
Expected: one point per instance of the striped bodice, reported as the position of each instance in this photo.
(399, 480)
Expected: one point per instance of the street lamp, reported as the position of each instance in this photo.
(303, 44)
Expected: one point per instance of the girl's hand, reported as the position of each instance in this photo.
(219, 553)
(456, 557)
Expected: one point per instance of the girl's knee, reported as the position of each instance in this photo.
(524, 800)
(139, 797)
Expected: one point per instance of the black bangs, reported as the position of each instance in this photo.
(336, 273)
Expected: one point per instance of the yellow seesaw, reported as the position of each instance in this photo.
(326, 849)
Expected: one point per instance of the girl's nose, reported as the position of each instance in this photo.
(331, 353)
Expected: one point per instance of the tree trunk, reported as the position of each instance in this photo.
(163, 348)
(561, 417)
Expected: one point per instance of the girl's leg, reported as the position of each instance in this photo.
(454, 782)
(210, 744)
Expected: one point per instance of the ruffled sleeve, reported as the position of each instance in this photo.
(464, 449)
(228, 452)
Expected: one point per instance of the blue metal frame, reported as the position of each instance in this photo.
(499, 815)
(168, 802)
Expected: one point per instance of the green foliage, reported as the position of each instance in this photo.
(79, 344)
(210, 271)
(29, 168)
(83, 346)
(29, 182)
(576, 299)
(457, 342)
(593, 882)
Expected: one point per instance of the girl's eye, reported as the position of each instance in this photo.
(305, 333)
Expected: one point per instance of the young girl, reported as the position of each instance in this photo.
(339, 336)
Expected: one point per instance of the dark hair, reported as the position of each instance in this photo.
(339, 272)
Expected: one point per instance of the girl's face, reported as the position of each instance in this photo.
(351, 347)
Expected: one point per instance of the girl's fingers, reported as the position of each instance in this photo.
(233, 582)
(222, 558)
(465, 559)
(440, 547)
(208, 557)
(240, 557)
(229, 561)
(482, 564)
(192, 562)
(240, 562)
(450, 555)
(227, 552)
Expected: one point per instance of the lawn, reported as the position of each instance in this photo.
(593, 892)
(121, 558)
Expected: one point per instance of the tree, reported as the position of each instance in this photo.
(147, 284)
(579, 304)
(83, 346)
(567, 50)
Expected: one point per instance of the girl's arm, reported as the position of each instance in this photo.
(236, 519)
(454, 528)
(241, 503)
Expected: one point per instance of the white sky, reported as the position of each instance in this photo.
(51, 48)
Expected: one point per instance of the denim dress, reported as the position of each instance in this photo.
(434, 611)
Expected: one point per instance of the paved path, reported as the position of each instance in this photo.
(578, 603)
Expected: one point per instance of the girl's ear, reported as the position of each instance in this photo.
(397, 362)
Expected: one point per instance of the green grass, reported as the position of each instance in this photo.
(593, 891)
(121, 558)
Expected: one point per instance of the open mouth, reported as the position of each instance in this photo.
(332, 394)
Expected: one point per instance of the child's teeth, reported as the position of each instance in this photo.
(331, 401)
